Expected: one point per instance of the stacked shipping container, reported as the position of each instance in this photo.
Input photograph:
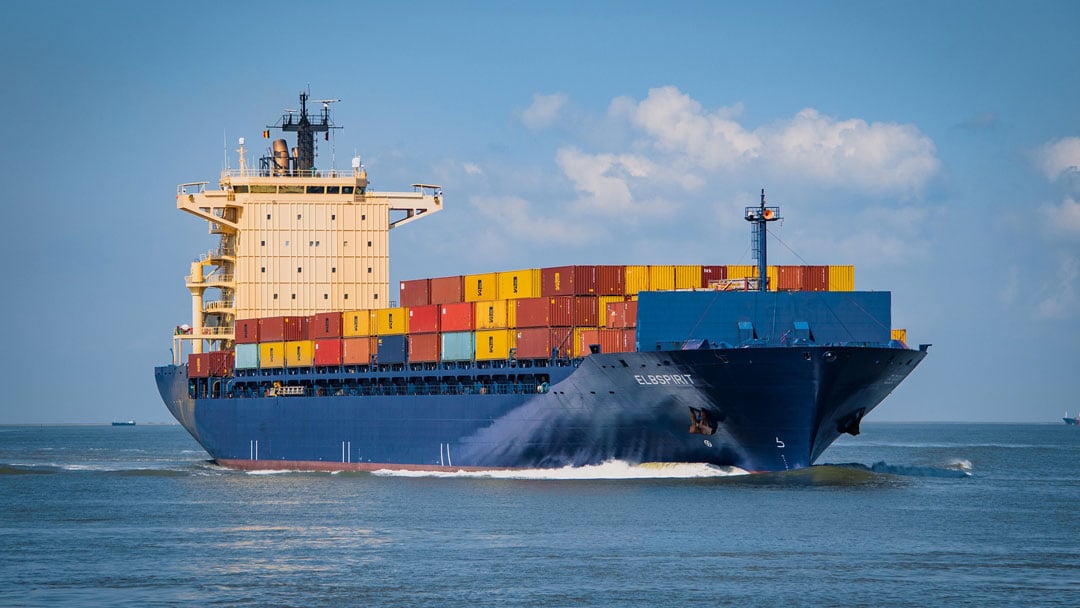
(528, 314)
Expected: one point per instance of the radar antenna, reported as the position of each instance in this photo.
(305, 129)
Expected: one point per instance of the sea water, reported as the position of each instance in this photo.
(902, 515)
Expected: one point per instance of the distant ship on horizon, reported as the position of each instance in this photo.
(1073, 421)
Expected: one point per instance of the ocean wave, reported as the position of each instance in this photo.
(955, 468)
(612, 469)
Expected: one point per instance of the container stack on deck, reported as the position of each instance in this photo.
(537, 313)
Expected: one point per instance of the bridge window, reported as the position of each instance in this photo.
(332, 190)
(346, 189)
(315, 189)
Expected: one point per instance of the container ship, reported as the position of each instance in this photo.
(300, 357)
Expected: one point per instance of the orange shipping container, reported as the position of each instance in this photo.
(789, 278)
(815, 278)
(357, 351)
(608, 340)
(539, 342)
(448, 290)
(621, 315)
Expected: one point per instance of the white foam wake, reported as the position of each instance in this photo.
(612, 469)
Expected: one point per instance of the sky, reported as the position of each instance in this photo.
(934, 145)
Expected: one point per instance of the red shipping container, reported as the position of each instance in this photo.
(621, 315)
(447, 290)
(790, 278)
(586, 311)
(712, 274)
(815, 278)
(609, 340)
(424, 319)
(247, 331)
(280, 329)
(324, 325)
(611, 280)
(629, 338)
(569, 281)
(456, 317)
(328, 351)
(424, 348)
(538, 342)
(220, 363)
(544, 312)
(357, 351)
(415, 293)
(198, 365)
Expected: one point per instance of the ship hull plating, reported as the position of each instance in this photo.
(759, 409)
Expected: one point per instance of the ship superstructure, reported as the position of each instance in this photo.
(293, 239)
(301, 358)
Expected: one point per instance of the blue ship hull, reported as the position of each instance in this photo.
(806, 367)
(759, 409)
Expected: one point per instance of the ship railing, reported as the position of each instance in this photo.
(248, 172)
(217, 305)
(211, 279)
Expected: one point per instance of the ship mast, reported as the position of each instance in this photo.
(759, 216)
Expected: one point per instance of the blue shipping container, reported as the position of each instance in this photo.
(669, 320)
(393, 349)
(458, 346)
(247, 356)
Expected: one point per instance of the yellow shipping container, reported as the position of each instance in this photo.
(841, 278)
(495, 314)
(636, 279)
(742, 272)
(603, 301)
(516, 284)
(773, 272)
(358, 323)
(688, 277)
(300, 353)
(272, 355)
(480, 287)
(392, 321)
(494, 343)
(661, 278)
(899, 334)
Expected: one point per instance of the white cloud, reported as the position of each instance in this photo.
(1063, 219)
(875, 157)
(608, 183)
(679, 124)
(515, 221)
(879, 157)
(544, 111)
(472, 169)
(1059, 157)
